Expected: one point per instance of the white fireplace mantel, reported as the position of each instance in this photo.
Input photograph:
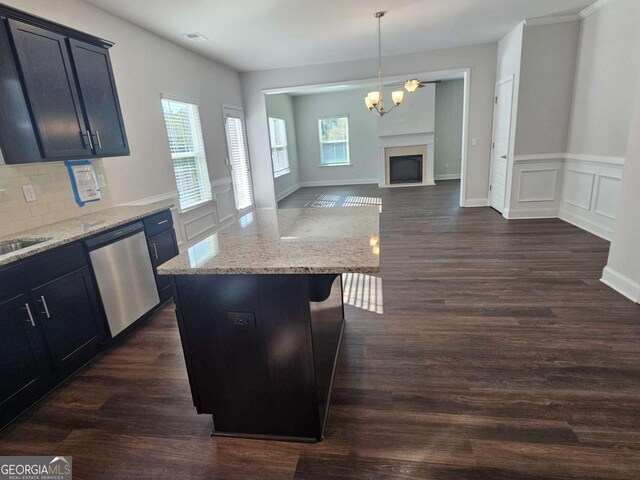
(415, 139)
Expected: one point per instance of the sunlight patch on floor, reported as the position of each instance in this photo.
(363, 291)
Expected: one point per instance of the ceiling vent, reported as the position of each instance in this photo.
(195, 37)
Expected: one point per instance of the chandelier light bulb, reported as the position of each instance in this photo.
(367, 102)
(397, 97)
(374, 98)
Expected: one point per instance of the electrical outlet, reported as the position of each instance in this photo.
(29, 193)
(242, 319)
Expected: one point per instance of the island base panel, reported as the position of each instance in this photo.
(261, 350)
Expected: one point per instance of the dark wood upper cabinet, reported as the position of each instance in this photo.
(61, 100)
(43, 58)
(100, 98)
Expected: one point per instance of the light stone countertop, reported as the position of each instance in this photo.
(287, 241)
(74, 229)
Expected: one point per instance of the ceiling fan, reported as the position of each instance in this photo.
(413, 84)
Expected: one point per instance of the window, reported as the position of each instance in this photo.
(238, 157)
(334, 141)
(187, 152)
(279, 152)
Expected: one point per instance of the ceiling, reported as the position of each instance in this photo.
(265, 34)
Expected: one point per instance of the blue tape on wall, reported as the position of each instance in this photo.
(86, 196)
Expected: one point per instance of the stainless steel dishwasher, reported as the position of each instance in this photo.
(123, 270)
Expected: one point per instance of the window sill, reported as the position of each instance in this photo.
(336, 165)
(282, 173)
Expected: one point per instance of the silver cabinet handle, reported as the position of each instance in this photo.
(86, 135)
(163, 221)
(28, 309)
(44, 304)
(155, 251)
(98, 139)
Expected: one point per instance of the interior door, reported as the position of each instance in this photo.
(100, 98)
(51, 91)
(500, 150)
(238, 158)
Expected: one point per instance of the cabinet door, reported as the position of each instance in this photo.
(68, 313)
(163, 247)
(51, 91)
(23, 364)
(100, 98)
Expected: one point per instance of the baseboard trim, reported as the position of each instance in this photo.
(586, 224)
(476, 202)
(287, 192)
(621, 284)
(529, 214)
(450, 176)
(337, 183)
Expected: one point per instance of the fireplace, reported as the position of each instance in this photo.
(405, 169)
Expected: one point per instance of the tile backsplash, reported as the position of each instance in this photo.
(52, 187)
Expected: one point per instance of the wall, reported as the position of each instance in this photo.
(448, 129)
(623, 268)
(508, 67)
(281, 106)
(606, 76)
(363, 138)
(481, 60)
(414, 116)
(145, 66)
(547, 71)
(55, 201)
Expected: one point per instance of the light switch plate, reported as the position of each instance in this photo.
(474, 142)
(29, 193)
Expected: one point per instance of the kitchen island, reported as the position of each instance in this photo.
(260, 314)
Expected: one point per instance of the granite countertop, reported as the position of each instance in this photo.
(287, 241)
(74, 229)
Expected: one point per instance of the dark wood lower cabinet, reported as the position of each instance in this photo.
(162, 248)
(261, 350)
(24, 367)
(69, 318)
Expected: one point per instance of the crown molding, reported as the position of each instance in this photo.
(591, 9)
(534, 22)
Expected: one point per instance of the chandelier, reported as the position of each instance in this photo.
(374, 100)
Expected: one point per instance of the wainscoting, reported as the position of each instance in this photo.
(536, 187)
(590, 193)
(196, 223)
(580, 189)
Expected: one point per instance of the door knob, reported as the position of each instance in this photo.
(504, 156)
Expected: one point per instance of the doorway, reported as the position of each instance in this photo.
(238, 159)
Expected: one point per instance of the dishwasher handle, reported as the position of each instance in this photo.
(114, 235)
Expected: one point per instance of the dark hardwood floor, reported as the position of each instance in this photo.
(486, 349)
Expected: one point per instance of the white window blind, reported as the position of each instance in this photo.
(279, 150)
(334, 141)
(187, 152)
(239, 159)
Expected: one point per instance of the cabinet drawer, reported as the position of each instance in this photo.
(41, 268)
(158, 223)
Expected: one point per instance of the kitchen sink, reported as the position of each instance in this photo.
(18, 244)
